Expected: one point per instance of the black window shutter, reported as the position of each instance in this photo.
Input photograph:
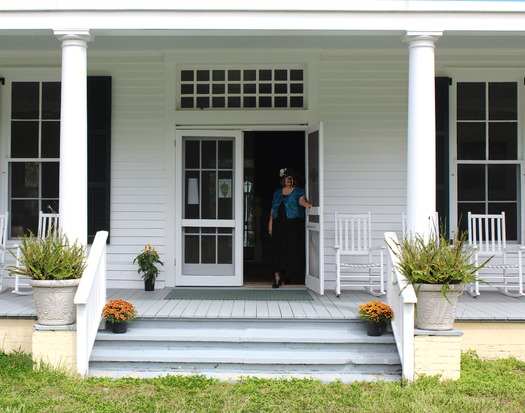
(99, 153)
(442, 152)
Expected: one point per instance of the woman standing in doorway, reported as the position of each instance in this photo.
(286, 227)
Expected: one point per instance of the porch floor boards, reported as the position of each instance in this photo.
(489, 306)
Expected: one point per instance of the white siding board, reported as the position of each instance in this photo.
(363, 103)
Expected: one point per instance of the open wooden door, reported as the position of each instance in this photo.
(314, 218)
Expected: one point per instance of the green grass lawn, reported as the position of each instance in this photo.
(485, 386)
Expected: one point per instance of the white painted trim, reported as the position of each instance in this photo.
(220, 279)
(317, 285)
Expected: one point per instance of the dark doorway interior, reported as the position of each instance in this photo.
(265, 153)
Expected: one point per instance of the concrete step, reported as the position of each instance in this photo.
(229, 349)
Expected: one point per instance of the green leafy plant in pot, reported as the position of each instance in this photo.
(54, 266)
(147, 261)
(439, 269)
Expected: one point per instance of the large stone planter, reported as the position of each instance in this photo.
(54, 301)
(433, 310)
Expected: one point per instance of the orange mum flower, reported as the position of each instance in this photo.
(118, 311)
(375, 312)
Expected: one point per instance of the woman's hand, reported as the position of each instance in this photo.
(305, 203)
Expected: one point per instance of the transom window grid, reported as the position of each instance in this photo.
(34, 153)
(488, 170)
(242, 88)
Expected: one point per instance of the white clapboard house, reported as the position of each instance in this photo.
(165, 123)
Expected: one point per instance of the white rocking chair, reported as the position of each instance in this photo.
(47, 222)
(486, 233)
(4, 218)
(354, 252)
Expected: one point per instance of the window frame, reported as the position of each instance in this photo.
(49, 75)
(487, 76)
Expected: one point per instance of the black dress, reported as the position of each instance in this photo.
(288, 246)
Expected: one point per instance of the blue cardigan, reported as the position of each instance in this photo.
(291, 202)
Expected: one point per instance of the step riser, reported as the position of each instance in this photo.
(227, 349)
(233, 368)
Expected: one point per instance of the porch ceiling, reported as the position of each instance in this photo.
(43, 41)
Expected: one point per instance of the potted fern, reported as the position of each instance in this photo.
(54, 267)
(439, 269)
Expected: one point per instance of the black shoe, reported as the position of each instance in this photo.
(276, 283)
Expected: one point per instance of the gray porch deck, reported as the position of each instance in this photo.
(489, 306)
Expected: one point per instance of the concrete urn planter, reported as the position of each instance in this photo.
(433, 310)
(54, 301)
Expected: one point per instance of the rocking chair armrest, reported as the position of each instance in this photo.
(378, 248)
(337, 247)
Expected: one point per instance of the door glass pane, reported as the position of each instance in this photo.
(471, 182)
(471, 140)
(225, 154)
(25, 100)
(503, 102)
(209, 155)
(24, 139)
(225, 249)
(503, 141)
(471, 101)
(192, 195)
(225, 201)
(209, 195)
(192, 154)
(502, 182)
(208, 245)
(313, 166)
(191, 249)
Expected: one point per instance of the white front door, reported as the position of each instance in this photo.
(314, 218)
(209, 208)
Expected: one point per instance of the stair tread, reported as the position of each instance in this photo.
(248, 335)
(293, 356)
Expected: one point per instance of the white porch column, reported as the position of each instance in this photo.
(421, 156)
(73, 134)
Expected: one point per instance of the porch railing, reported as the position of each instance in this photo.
(90, 299)
(402, 298)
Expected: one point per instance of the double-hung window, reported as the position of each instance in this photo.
(487, 151)
(34, 153)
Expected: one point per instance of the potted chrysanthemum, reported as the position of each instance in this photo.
(377, 315)
(118, 314)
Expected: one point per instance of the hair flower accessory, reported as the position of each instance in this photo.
(282, 172)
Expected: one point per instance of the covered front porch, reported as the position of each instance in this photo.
(321, 338)
(490, 306)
